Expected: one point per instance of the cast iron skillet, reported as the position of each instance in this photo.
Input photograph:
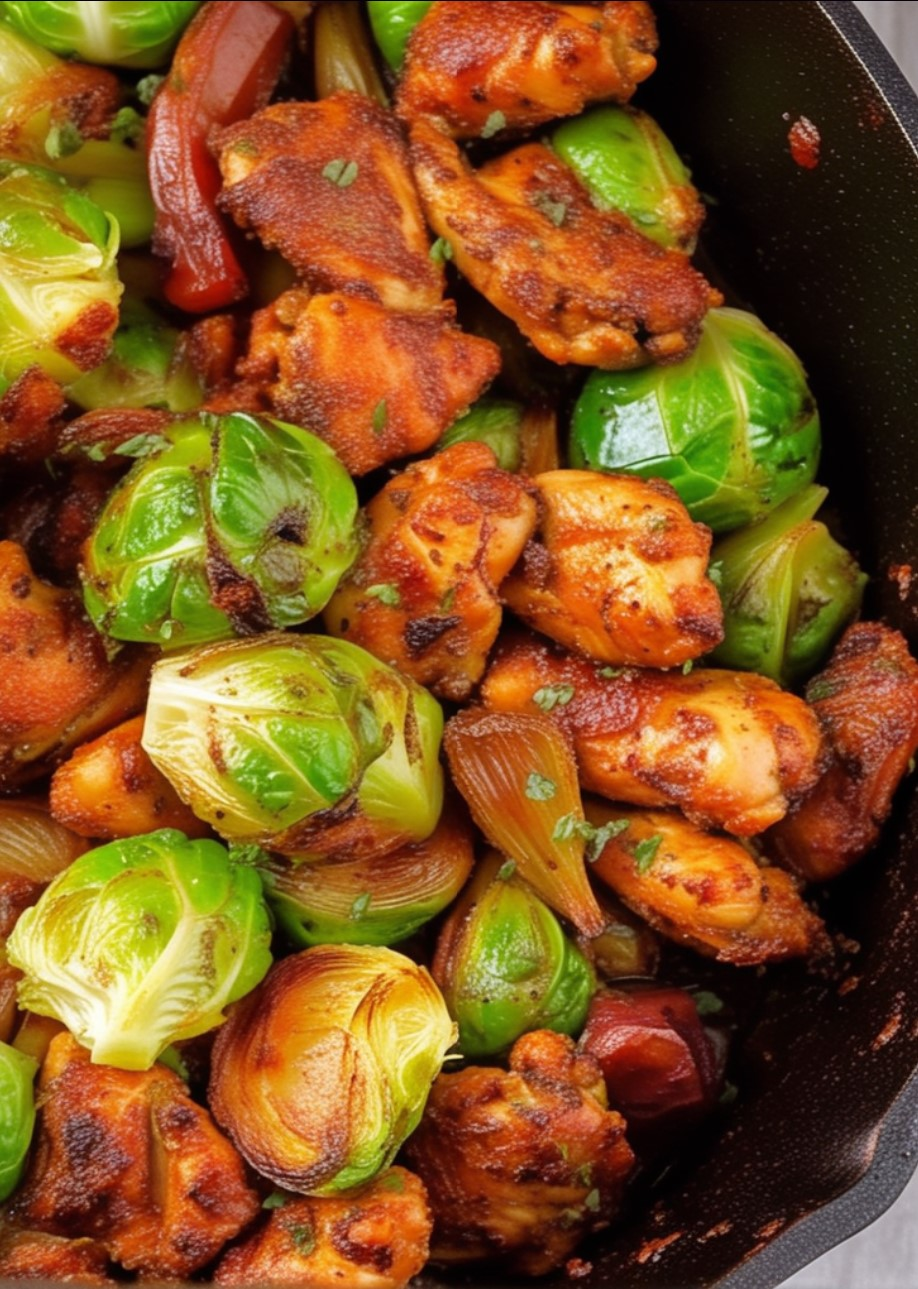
(824, 1135)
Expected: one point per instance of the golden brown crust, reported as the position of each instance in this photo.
(127, 1158)
(423, 595)
(529, 61)
(33, 1255)
(375, 1237)
(52, 519)
(286, 177)
(618, 571)
(375, 384)
(30, 416)
(579, 282)
(729, 748)
(57, 688)
(867, 704)
(520, 1165)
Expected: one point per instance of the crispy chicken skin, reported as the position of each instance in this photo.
(521, 1164)
(57, 688)
(867, 704)
(52, 518)
(529, 61)
(33, 1255)
(579, 282)
(442, 537)
(374, 384)
(127, 1158)
(618, 571)
(704, 890)
(110, 788)
(30, 412)
(731, 749)
(284, 178)
(375, 1237)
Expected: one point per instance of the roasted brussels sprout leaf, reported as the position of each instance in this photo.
(137, 34)
(788, 588)
(230, 524)
(17, 1115)
(505, 966)
(494, 421)
(733, 428)
(143, 942)
(358, 1034)
(59, 284)
(627, 163)
(305, 745)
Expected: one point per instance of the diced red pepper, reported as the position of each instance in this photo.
(225, 68)
(659, 1064)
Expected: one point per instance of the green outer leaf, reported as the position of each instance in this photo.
(17, 1115)
(733, 428)
(141, 943)
(138, 34)
(393, 21)
(495, 422)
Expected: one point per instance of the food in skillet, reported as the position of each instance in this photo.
(322, 610)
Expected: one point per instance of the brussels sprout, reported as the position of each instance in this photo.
(379, 900)
(733, 428)
(393, 21)
(127, 33)
(141, 943)
(506, 967)
(627, 163)
(17, 1115)
(303, 744)
(233, 523)
(357, 1034)
(787, 589)
(495, 422)
(148, 367)
(59, 287)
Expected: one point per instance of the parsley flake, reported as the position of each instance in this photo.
(820, 689)
(554, 211)
(441, 251)
(645, 852)
(496, 121)
(360, 905)
(141, 445)
(277, 1199)
(687, 666)
(303, 1237)
(97, 452)
(147, 87)
(596, 838)
(538, 788)
(707, 1004)
(380, 416)
(611, 673)
(340, 172)
(63, 141)
(551, 696)
(506, 870)
(591, 1203)
(127, 127)
(449, 599)
(387, 593)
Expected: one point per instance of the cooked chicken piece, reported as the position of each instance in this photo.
(329, 185)
(618, 571)
(703, 890)
(68, 93)
(730, 748)
(211, 345)
(521, 1165)
(127, 1157)
(423, 595)
(57, 687)
(579, 282)
(481, 67)
(32, 1255)
(867, 703)
(110, 788)
(30, 412)
(374, 384)
(375, 1237)
(52, 518)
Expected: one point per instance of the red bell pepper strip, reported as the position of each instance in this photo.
(225, 68)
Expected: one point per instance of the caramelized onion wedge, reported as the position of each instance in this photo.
(32, 844)
(518, 775)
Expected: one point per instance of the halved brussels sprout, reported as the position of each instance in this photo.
(494, 421)
(17, 1115)
(628, 164)
(141, 943)
(733, 428)
(356, 1036)
(788, 589)
(506, 967)
(127, 33)
(59, 288)
(227, 524)
(302, 744)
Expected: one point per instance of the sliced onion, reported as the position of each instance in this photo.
(32, 844)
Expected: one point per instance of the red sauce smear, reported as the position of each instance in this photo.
(805, 141)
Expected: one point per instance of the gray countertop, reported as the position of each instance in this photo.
(885, 1256)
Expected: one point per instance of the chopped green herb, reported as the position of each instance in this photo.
(551, 696)
(277, 1199)
(538, 788)
(246, 148)
(380, 416)
(341, 173)
(820, 689)
(707, 1004)
(387, 593)
(496, 121)
(97, 452)
(441, 251)
(303, 1237)
(127, 127)
(597, 843)
(591, 1203)
(506, 871)
(611, 673)
(564, 1150)
(584, 1175)
(645, 852)
(247, 853)
(147, 87)
(687, 666)
(141, 445)
(360, 905)
(554, 211)
(63, 140)
(449, 599)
